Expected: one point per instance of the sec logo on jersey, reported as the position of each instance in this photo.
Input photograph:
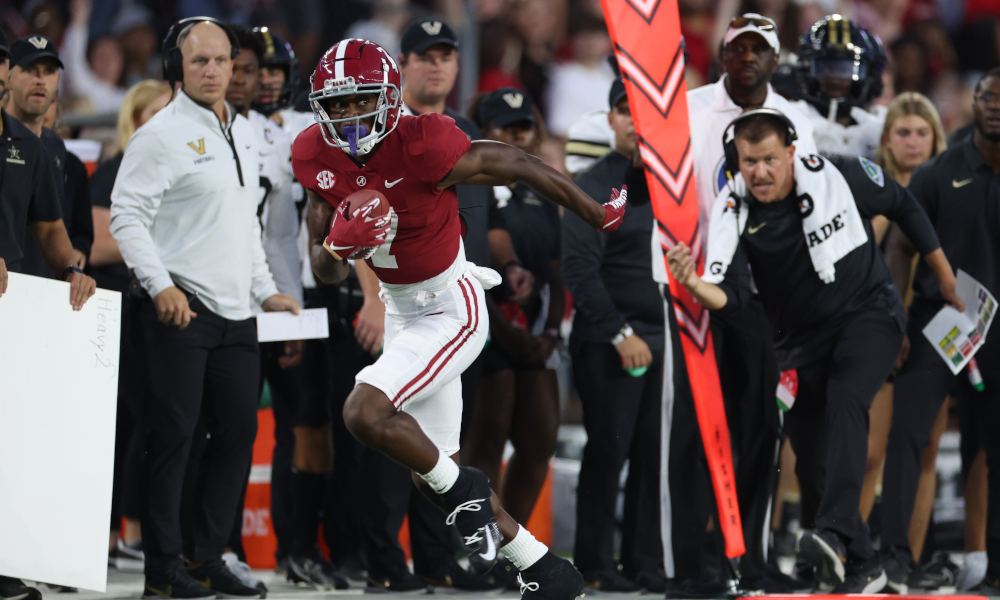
(720, 176)
(326, 180)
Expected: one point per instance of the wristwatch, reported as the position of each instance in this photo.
(71, 269)
(623, 333)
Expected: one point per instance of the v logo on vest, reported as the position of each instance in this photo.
(38, 42)
(514, 100)
(431, 27)
(198, 146)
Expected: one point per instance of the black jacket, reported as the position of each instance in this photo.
(610, 274)
(806, 313)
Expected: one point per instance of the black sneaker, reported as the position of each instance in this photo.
(315, 571)
(652, 582)
(457, 580)
(176, 583)
(870, 579)
(939, 573)
(14, 589)
(990, 587)
(401, 582)
(215, 575)
(506, 572)
(468, 506)
(610, 581)
(897, 574)
(550, 578)
(62, 589)
(281, 568)
(353, 569)
(826, 552)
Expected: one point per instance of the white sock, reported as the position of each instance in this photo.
(443, 475)
(524, 550)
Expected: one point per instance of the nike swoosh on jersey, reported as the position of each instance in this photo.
(491, 549)
(754, 230)
(389, 185)
(958, 184)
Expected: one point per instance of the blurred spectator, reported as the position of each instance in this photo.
(302, 23)
(910, 59)
(140, 43)
(570, 93)
(44, 18)
(500, 52)
(385, 25)
(539, 23)
(94, 71)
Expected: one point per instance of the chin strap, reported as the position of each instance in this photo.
(353, 133)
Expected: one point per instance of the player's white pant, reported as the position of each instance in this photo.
(433, 332)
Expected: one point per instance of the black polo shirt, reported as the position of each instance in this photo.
(961, 194)
(533, 224)
(610, 273)
(28, 191)
(807, 315)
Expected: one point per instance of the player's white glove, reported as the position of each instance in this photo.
(614, 211)
(357, 235)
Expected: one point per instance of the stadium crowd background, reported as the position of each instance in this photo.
(553, 50)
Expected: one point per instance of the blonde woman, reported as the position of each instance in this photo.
(142, 101)
(912, 135)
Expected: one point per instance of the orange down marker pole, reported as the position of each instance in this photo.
(647, 40)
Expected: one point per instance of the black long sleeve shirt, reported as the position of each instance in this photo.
(806, 313)
(610, 274)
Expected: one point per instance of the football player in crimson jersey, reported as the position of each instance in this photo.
(408, 404)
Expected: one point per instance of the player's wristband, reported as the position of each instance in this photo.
(70, 270)
(623, 333)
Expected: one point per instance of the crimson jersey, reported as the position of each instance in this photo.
(406, 168)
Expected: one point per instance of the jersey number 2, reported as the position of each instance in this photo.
(383, 258)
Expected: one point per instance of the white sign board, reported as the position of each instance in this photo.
(58, 396)
(282, 326)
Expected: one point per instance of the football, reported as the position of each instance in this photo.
(362, 198)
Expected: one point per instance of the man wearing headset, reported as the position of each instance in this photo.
(801, 223)
(184, 214)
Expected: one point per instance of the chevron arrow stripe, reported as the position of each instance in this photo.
(660, 94)
(645, 8)
(675, 182)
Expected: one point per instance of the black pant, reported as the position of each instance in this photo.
(920, 388)
(748, 371)
(828, 427)
(388, 494)
(215, 360)
(621, 415)
(984, 407)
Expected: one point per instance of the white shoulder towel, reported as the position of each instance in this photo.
(831, 223)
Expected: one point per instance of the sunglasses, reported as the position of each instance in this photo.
(761, 23)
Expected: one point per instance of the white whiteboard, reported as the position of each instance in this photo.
(58, 395)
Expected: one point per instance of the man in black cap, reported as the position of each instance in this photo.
(622, 346)
(30, 202)
(34, 83)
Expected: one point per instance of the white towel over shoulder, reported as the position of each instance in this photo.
(831, 222)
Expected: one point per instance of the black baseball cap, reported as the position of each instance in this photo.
(617, 92)
(4, 49)
(506, 106)
(27, 50)
(424, 33)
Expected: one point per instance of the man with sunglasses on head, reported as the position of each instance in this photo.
(743, 346)
(958, 189)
